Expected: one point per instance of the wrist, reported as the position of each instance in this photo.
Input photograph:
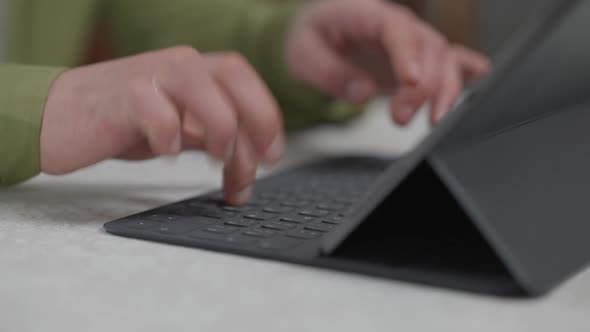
(21, 111)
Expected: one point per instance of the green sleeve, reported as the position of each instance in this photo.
(23, 90)
(255, 28)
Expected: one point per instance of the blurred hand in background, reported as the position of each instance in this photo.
(353, 50)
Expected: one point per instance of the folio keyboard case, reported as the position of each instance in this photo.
(494, 199)
(514, 161)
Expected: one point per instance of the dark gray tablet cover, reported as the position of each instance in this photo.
(503, 177)
(515, 154)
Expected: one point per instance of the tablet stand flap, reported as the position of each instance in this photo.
(527, 190)
(420, 233)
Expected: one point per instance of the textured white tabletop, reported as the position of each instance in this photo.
(59, 271)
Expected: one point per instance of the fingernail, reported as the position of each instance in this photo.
(406, 112)
(176, 145)
(243, 196)
(438, 115)
(274, 151)
(229, 151)
(359, 91)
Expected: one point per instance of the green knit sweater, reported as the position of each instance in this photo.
(44, 37)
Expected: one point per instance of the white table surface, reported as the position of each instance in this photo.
(59, 271)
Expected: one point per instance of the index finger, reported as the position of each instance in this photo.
(190, 86)
(256, 109)
(402, 47)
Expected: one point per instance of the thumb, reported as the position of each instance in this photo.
(311, 60)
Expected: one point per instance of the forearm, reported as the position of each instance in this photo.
(23, 90)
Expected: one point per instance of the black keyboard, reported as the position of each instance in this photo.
(289, 211)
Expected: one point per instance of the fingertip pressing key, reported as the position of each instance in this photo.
(240, 198)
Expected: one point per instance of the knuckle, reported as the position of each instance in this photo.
(434, 86)
(183, 65)
(439, 43)
(226, 129)
(233, 62)
(182, 54)
(423, 91)
(404, 12)
(186, 51)
(432, 89)
(140, 93)
(432, 36)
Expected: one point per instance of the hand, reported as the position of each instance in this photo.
(161, 103)
(336, 45)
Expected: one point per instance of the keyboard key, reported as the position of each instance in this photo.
(277, 209)
(230, 208)
(330, 206)
(241, 222)
(259, 232)
(259, 216)
(221, 229)
(320, 227)
(279, 243)
(229, 214)
(205, 208)
(295, 203)
(348, 210)
(298, 219)
(279, 225)
(344, 200)
(272, 196)
(304, 234)
(333, 219)
(256, 202)
(211, 212)
(313, 213)
(266, 195)
(310, 197)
